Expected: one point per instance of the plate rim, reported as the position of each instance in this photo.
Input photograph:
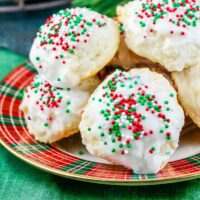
(98, 180)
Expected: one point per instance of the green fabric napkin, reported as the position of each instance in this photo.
(20, 181)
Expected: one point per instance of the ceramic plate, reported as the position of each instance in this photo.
(69, 158)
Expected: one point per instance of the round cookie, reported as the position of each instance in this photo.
(72, 45)
(133, 119)
(126, 58)
(188, 86)
(52, 113)
(166, 32)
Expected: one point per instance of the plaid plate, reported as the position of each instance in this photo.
(16, 138)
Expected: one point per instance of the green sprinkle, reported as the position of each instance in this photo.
(67, 111)
(46, 124)
(113, 140)
(89, 23)
(168, 137)
(123, 126)
(153, 148)
(130, 86)
(102, 134)
(68, 102)
(143, 117)
(113, 150)
(80, 152)
(71, 51)
(142, 24)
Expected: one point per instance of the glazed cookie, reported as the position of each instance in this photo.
(163, 31)
(126, 58)
(52, 113)
(72, 45)
(188, 86)
(133, 119)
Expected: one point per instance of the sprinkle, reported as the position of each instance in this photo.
(166, 102)
(80, 152)
(67, 111)
(102, 134)
(37, 58)
(121, 29)
(68, 102)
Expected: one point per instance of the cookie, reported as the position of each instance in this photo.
(126, 58)
(53, 113)
(187, 83)
(166, 32)
(73, 45)
(133, 119)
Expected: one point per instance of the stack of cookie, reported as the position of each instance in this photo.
(68, 51)
(133, 117)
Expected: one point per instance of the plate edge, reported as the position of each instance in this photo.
(97, 180)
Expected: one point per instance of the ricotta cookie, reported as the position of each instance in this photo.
(188, 86)
(126, 58)
(133, 119)
(72, 45)
(164, 31)
(52, 113)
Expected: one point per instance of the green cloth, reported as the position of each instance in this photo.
(19, 181)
